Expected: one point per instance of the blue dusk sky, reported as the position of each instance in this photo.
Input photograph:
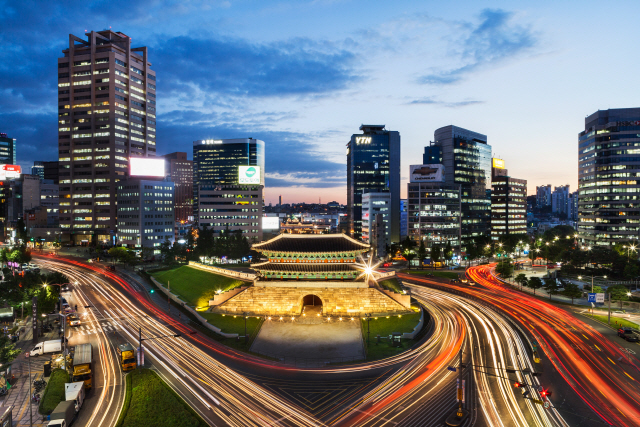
(303, 76)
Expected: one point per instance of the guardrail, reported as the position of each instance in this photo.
(248, 277)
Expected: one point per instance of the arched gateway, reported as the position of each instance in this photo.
(312, 273)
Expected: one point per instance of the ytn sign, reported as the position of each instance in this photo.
(363, 140)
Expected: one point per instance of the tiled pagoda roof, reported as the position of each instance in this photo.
(304, 268)
(311, 243)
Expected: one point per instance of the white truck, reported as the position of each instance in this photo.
(52, 346)
(63, 415)
(75, 392)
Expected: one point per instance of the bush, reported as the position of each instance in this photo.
(54, 393)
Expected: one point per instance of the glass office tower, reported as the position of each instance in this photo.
(466, 157)
(373, 166)
(608, 170)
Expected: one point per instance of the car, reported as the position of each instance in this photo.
(25, 265)
(64, 288)
(74, 320)
(110, 268)
(628, 334)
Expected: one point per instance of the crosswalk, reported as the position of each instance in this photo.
(95, 328)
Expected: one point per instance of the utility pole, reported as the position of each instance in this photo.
(246, 338)
(460, 389)
(140, 347)
(609, 317)
(30, 395)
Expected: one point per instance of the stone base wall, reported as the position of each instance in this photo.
(279, 301)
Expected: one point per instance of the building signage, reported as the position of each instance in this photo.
(248, 174)
(363, 140)
(427, 173)
(34, 318)
(628, 123)
(498, 163)
(146, 166)
(10, 172)
(212, 141)
(270, 223)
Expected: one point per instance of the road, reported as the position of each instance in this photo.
(414, 389)
(594, 368)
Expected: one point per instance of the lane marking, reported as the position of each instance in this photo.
(611, 360)
(628, 375)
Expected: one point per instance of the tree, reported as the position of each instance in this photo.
(422, 254)
(521, 279)
(572, 291)
(505, 269)
(8, 352)
(408, 244)
(551, 286)
(534, 283)
(435, 254)
(631, 271)
(448, 252)
(618, 293)
(409, 256)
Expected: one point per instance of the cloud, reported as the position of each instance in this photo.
(230, 66)
(493, 40)
(431, 101)
(292, 158)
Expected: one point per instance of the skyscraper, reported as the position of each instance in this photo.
(560, 200)
(466, 157)
(608, 167)
(228, 183)
(373, 165)
(7, 150)
(508, 203)
(181, 173)
(106, 114)
(38, 169)
(543, 196)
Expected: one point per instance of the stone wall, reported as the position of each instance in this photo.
(247, 277)
(278, 301)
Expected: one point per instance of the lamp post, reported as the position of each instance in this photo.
(580, 278)
(629, 248)
(140, 339)
(64, 320)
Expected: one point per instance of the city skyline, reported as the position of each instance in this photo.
(304, 89)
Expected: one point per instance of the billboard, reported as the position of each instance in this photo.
(10, 172)
(427, 173)
(498, 163)
(270, 223)
(146, 166)
(248, 174)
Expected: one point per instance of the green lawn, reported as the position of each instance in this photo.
(195, 286)
(384, 326)
(621, 322)
(150, 402)
(230, 324)
(391, 285)
(54, 393)
(436, 273)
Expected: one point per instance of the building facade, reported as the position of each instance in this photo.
(232, 207)
(106, 114)
(372, 205)
(373, 165)
(543, 196)
(7, 150)
(404, 219)
(50, 200)
(181, 173)
(560, 200)
(508, 203)
(145, 213)
(434, 213)
(608, 170)
(38, 169)
(466, 157)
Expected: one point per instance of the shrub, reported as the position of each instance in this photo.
(54, 393)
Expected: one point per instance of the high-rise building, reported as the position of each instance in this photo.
(7, 150)
(51, 171)
(372, 205)
(466, 157)
(106, 114)
(181, 173)
(543, 196)
(145, 213)
(50, 200)
(228, 183)
(373, 165)
(38, 169)
(572, 213)
(608, 166)
(404, 223)
(508, 203)
(434, 214)
(560, 200)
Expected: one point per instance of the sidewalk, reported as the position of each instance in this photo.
(19, 397)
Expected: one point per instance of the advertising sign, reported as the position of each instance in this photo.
(34, 318)
(270, 223)
(146, 166)
(249, 175)
(498, 163)
(599, 297)
(10, 172)
(427, 173)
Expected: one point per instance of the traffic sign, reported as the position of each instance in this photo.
(592, 297)
(600, 297)
(546, 404)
